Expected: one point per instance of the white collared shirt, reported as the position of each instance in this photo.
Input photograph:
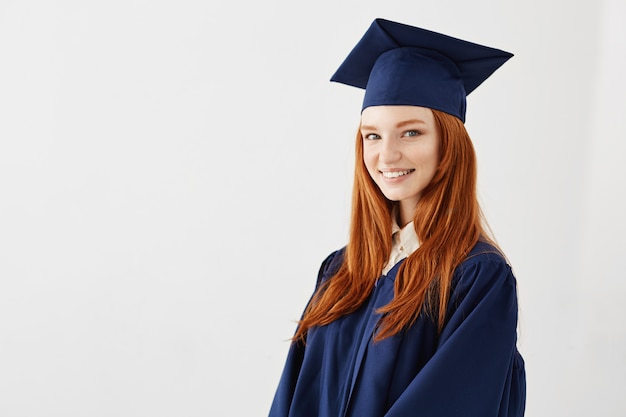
(404, 243)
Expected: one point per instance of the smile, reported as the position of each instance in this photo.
(396, 174)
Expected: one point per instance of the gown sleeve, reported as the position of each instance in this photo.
(287, 385)
(476, 370)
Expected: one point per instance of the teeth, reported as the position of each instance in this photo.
(395, 174)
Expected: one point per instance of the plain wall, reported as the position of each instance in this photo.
(172, 173)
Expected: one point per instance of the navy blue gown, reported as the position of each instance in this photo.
(472, 368)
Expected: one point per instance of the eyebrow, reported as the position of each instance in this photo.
(399, 125)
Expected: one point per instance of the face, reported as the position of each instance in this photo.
(401, 152)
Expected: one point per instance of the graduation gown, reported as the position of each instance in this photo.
(472, 368)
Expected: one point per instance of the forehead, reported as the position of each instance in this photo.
(391, 115)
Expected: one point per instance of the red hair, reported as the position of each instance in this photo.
(448, 223)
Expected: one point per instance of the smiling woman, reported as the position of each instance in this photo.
(401, 152)
(417, 315)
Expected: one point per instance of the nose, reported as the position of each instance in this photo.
(389, 151)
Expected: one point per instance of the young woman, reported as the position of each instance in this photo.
(417, 315)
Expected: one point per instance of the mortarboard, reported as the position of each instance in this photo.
(398, 64)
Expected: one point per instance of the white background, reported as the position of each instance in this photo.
(173, 172)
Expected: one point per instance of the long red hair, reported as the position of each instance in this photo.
(448, 223)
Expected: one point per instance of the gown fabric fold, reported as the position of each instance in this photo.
(472, 368)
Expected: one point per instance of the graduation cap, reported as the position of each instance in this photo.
(398, 64)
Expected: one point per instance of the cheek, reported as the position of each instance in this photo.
(428, 158)
(431, 160)
(369, 160)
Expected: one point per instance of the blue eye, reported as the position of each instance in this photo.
(412, 133)
(372, 136)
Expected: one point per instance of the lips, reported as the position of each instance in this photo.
(396, 174)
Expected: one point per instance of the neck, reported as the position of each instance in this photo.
(404, 214)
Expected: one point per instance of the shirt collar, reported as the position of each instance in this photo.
(406, 237)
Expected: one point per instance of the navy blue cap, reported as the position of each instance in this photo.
(398, 64)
